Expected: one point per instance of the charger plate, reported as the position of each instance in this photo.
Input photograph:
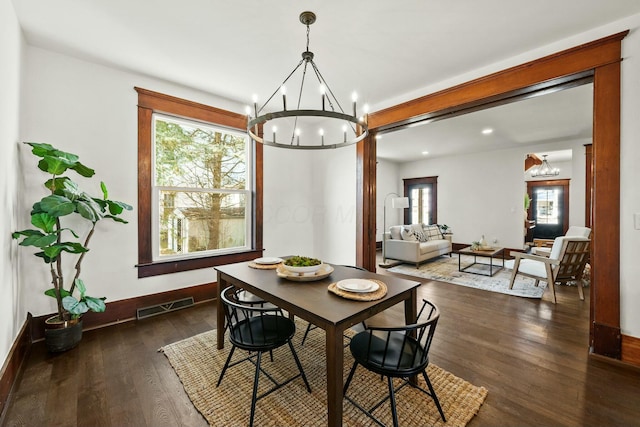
(360, 296)
(255, 265)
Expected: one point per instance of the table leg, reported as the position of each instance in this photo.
(335, 361)
(410, 316)
(222, 284)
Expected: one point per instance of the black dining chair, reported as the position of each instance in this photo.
(257, 329)
(357, 327)
(396, 352)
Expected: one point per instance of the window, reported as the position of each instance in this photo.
(423, 200)
(201, 182)
(199, 186)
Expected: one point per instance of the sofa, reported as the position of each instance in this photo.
(415, 243)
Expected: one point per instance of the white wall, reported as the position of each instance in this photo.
(12, 307)
(289, 209)
(91, 110)
(629, 178)
(387, 182)
(482, 193)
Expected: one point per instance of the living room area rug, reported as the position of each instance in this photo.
(445, 269)
(198, 363)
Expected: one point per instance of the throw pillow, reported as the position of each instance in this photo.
(407, 234)
(433, 232)
(395, 232)
(421, 236)
(418, 232)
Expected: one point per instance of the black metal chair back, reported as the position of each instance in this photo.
(397, 352)
(257, 327)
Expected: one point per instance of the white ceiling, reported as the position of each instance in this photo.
(381, 49)
(561, 116)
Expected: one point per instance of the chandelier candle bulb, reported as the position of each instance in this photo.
(344, 132)
(274, 129)
(322, 136)
(255, 105)
(283, 90)
(354, 98)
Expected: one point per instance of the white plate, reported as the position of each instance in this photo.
(357, 285)
(267, 260)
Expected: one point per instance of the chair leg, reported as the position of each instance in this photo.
(306, 333)
(580, 285)
(304, 377)
(433, 395)
(255, 389)
(349, 378)
(553, 289)
(516, 264)
(392, 402)
(226, 365)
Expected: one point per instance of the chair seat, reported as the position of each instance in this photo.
(265, 332)
(401, 356)
(532, 267)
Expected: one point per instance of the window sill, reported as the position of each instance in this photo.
(176, 266)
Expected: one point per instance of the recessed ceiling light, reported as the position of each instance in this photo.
(424, 153)
(487, 131)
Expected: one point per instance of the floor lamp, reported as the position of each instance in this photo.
(396, 203)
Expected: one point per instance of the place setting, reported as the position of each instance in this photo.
(266, 263)
(359, 289)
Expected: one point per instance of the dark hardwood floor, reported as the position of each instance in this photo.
(531, 355)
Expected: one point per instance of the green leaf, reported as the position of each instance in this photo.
(17, 234)
(57, 205)
(41, 149)
(52, 293)
(71, 190)
(42, 241)
(56, 185)
(116, 208)
(105, 193)
(95, 304)
(55, 164)
(87, 212)
(54, 250)
(83, 170)
(44, 221)
(81, 287)
(74, 306)
(117, 219)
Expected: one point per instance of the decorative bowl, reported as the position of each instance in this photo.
(299, 268)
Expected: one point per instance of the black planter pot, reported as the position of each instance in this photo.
(62, 336)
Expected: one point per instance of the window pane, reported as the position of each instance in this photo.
(195, 155)
(193, 221)
(547, 202)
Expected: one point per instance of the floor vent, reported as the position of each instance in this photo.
(154, 310)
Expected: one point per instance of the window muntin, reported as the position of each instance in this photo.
(201, 189)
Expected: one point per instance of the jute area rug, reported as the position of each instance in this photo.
(445, 269)
(198, 363)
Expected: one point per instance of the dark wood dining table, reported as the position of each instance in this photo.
(313, 302)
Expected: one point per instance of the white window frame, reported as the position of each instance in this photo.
(155, 193)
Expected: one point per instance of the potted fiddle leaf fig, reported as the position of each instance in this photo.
(65, 221)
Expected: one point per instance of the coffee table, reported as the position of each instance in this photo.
(485, 253)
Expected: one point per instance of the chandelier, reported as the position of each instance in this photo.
(305, 127)
(545, 169)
